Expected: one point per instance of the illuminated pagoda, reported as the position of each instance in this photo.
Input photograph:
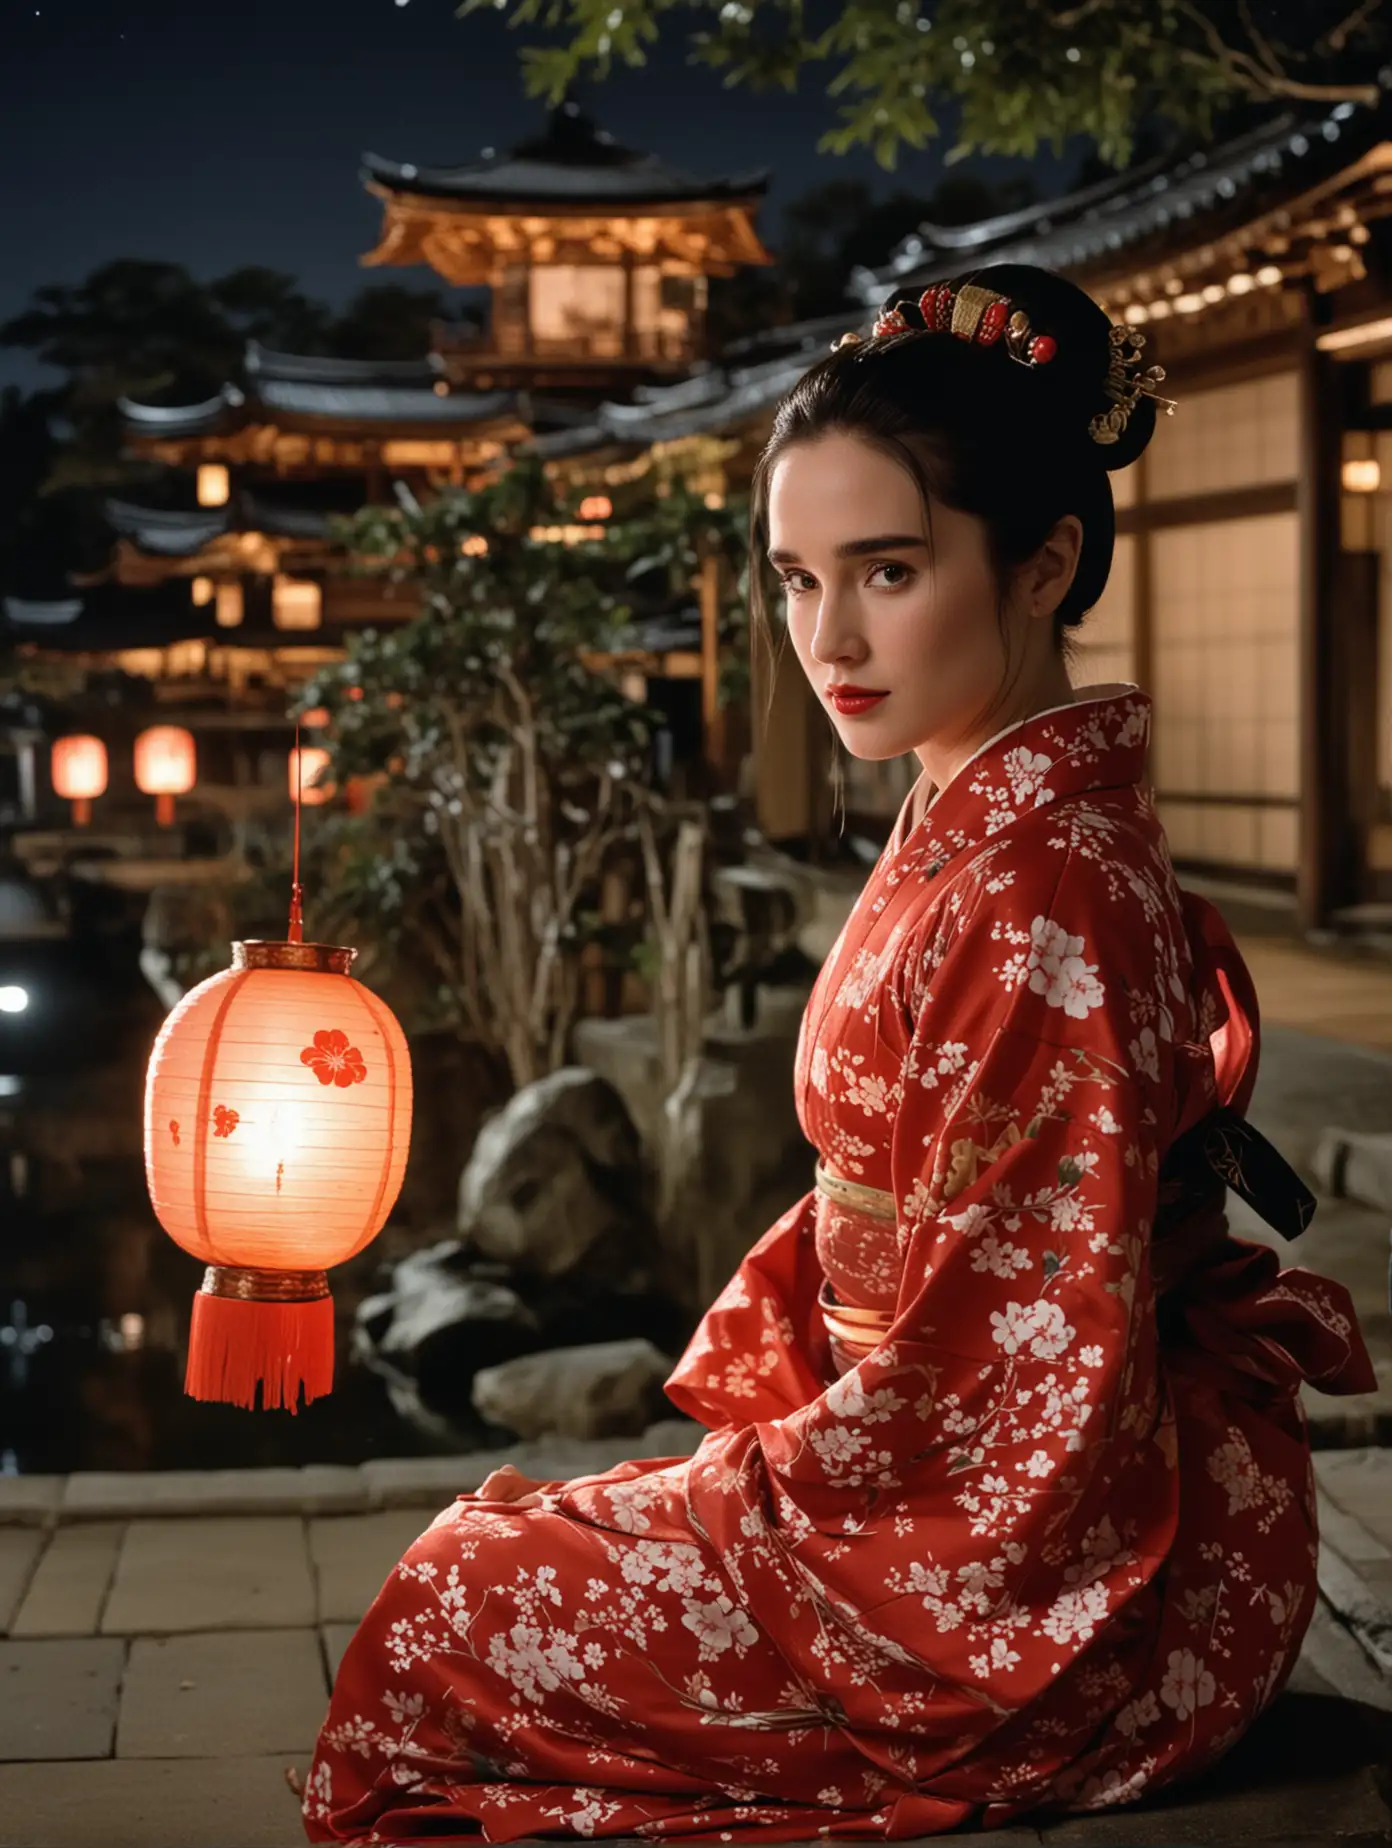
(597, 258)
(1252, 588)
(596, 261)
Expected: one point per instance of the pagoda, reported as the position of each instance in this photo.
(597, 258)
(231, 590)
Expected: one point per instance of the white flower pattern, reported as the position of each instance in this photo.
(756, 1638)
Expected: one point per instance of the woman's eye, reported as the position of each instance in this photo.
(791, 583)
(902, 574)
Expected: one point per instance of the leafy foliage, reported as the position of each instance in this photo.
(507, 763)
(1014, 74)
(510, 772)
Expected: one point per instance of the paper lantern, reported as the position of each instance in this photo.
(306, 765)
(214, 486)
(296, 603)
(277, 1126)
(166, 765)
(230, 607)
(203, 590)
(79, 773)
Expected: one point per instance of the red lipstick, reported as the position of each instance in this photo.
(849, 700)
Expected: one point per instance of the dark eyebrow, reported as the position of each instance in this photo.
(861, 548)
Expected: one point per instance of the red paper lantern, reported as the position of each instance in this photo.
(277, 1127)
(307, 783)
(166, 765)
(79, 773)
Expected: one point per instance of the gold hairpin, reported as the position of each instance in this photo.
(1126, 385)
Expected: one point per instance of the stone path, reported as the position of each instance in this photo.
(171, 1640)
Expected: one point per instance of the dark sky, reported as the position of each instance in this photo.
(223, 132)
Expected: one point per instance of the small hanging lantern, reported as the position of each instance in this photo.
(214, 486)
(296, 603)
(308, 784)
(79, 773)
(166, 765)
(229, 606)
(277, 1128)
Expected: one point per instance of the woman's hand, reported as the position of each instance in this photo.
(510, 1485)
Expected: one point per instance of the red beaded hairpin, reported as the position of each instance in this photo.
(977, 315)
(983, 317)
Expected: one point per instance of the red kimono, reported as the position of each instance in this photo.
(1006, 1503)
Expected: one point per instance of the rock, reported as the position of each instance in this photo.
(611, 1389)
(433, 1331)
(751, 1161)
(556, 1179)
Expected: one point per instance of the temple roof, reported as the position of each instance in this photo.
(1162, 211)
(573, 163)
(105, 618)
(1136, 217)
(166, 533)
(289, 389)
(715, 400)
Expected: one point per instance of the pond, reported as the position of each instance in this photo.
(94, 1297)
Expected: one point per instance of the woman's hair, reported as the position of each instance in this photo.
(978, 429)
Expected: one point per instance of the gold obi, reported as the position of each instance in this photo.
(854, 1332)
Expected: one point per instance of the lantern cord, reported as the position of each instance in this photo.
(295, 931)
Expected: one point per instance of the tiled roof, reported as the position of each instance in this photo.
(1204, 192)
(572, 163)
(348, 391)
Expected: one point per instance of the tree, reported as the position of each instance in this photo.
(511, 762)
(1015, 74)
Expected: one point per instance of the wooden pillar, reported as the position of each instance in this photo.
(630, 332)
(1323, 790)
(711, 740)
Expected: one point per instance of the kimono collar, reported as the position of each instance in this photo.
(1097, 742)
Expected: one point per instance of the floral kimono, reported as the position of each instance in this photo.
(1005, 1505)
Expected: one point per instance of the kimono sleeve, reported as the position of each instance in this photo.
(1024, 1165)
(760, 1350)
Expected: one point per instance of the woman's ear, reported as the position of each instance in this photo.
(1045, 580)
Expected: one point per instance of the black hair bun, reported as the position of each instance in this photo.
(1070, 391)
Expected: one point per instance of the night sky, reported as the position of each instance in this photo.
(217, 133)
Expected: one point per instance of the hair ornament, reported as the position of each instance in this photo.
(979, 316)
(982, 317)
(1126, 385)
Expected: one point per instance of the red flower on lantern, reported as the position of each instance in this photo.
(224, 1120)
(333, 1060)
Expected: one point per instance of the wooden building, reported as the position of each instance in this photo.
(1252, 589)
(230, 592)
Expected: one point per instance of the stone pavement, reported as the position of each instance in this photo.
(171, 1639)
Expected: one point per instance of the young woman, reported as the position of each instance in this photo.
(1005, 1506)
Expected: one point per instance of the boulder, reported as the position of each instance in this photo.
(557, 1180)
(439, 1325)
(747, 1158)
(610, 1389)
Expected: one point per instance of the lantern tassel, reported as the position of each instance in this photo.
(237, 1344)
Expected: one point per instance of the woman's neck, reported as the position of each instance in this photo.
(943, 757)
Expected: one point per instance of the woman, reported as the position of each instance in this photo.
(1005, 1506)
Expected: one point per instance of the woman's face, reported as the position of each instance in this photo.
(872, 607)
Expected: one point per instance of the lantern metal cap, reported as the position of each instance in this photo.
(321, 958)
